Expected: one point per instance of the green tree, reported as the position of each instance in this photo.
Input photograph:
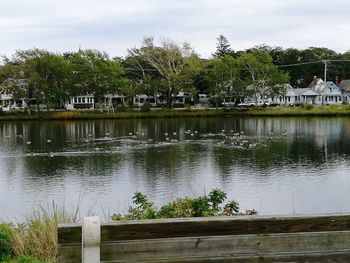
(95, 73)
(222, 47)
(46, 73)
(259, 75)
(175, 64)
(224, 79)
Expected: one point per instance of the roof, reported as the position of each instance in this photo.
(344, 85)
(302, 91)
(323, 86)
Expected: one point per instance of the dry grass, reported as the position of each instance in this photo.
(37, 236)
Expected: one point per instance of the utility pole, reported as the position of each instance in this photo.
(325, 69)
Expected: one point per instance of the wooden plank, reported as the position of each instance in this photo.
(227, 246)
(69, 233)
(69, 253)
(324, 257)
(213, 226)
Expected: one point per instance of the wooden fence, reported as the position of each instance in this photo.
(323, 238)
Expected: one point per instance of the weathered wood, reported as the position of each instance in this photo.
(324, 257)
(213, 226)
(323, 238)
(69, 253)
(69, 233)
(227, 246)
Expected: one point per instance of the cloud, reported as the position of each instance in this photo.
(115, 25)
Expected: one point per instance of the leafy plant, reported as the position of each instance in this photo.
(201, 206)
(146, 107)
(5, 241)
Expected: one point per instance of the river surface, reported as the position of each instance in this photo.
(274, 165)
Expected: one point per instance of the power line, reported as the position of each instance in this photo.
(325, 61)
(299, 64)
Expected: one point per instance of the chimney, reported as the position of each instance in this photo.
(336, 80)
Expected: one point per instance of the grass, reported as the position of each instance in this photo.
(308, 110)
(35, 240)
(87, 114)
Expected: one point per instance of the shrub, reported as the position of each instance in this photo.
(120, 108)
(201, 206)
(5, 241)
(309, 106)
(146, 107)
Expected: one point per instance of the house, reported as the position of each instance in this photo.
(329, 92)
(141, 99)
(344, 86)
(302, 96)
(7, 100)
(80, 102)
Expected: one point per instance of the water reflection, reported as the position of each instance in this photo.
(277, 166)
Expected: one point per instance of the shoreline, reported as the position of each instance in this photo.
(316, 111)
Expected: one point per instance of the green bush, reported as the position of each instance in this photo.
(146, 107)
(201, 206)
(309, 106)
(5, 242)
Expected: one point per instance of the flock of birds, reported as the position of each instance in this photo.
(238, 140)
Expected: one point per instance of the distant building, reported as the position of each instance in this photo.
(328, 91)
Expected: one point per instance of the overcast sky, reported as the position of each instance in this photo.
(116, 25)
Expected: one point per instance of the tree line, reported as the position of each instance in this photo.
(164, 69)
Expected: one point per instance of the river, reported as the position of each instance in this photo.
(274, 165)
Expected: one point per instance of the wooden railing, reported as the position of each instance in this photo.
(323, 238)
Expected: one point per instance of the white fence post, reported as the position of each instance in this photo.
(91, 239)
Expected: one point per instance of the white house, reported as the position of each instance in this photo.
(302, 96)
(329, 92)
(7, 101)
(80, 102)
(141, 99)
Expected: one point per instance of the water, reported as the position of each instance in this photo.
(274, 165)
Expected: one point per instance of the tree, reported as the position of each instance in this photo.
(259, 75)
(222, 47)
(224, 79)
(47, 75)
(94, 72)
(175, 64)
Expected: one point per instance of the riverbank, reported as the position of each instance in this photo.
(308, 110)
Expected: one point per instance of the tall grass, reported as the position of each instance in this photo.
(37, 236)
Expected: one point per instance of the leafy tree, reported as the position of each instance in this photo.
(259, 74)
(224, 79)
(95, 73)
(175, 64)
(46, 73)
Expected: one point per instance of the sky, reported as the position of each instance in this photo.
(115, 26)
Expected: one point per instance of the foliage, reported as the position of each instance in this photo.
(308, 106)
(6, 234)
(201, 206)
(146, 107)
(28, 259)
(37, 236)
(42, 77)
(173, 66)
(260, 76)
(222, 47)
